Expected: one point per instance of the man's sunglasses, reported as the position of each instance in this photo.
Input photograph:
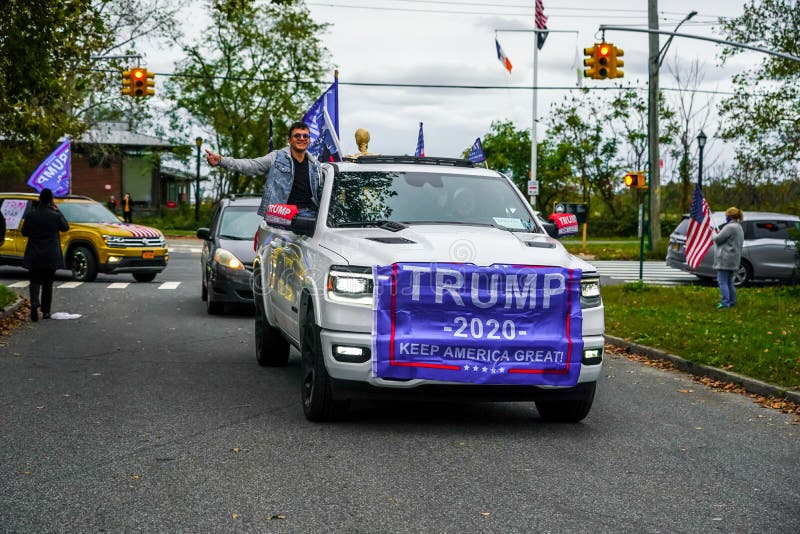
(300, 136)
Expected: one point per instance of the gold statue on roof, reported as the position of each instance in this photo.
(362, 142)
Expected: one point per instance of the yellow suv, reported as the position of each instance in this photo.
(96, 242)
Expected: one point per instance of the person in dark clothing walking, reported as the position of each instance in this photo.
(127, 208)
(2, 228)
(43, 255)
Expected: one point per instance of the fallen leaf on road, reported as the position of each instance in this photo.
(136, 477)
(26, 473)
(277, 516)
(40, 407)
(486, 514)
(235, 450)
(235, 515)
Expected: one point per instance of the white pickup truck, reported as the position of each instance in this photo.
(427, 278)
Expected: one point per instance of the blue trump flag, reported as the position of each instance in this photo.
(420, 151)
(458, 322)
(54, 172)
(323, 119)
(476, 154)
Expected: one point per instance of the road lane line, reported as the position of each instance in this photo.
(169, 285)
(69, 285)
(24, 283)
(118, 285)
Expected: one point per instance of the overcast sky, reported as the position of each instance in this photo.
(452, 42)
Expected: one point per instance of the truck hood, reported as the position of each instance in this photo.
(120, 229)
(482, 246)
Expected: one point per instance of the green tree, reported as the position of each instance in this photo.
(255, 62)
(508, 150)
(50, 83)
(764, 112)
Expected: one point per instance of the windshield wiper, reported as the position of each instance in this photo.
(235, 237)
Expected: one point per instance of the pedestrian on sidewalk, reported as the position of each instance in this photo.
(127, 208)
(728, 255)
(43, 255)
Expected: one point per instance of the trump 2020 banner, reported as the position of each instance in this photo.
(54, 172)
(502, 324)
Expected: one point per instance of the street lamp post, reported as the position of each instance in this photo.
(701, 142)
(198, 141)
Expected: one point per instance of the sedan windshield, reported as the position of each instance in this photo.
(240, 222)
(372, 198)
(86, 212)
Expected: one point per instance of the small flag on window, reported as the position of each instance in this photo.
(502, 56)
(420, 151)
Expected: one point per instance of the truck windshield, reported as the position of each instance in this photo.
(424, 197)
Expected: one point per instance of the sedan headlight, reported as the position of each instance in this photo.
(590, 291)
(227, 259)
(352, 285)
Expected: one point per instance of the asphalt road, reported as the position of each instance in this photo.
(146, 414)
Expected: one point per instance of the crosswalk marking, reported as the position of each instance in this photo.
(652, 271)
(118, 285)
(24, 283)
(169, 285)
(69, 285)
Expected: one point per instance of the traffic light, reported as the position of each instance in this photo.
(636, 180)
(138, 82)
(599, 60)
(126, 82)
(614, 63)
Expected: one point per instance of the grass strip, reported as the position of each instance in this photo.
(7, 296)
(757, 338)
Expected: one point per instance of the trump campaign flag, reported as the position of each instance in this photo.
(502, 56)
(476, 154)
(54, 172)
(698, 237)
(322, 119)
(420, 151)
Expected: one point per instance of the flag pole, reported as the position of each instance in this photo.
(336, 99)
(534, 97)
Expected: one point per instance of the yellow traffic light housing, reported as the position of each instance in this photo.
(126, 83)
(636, 180)
(614, 63)
(591, 62)
(149, 84)
(603, 60)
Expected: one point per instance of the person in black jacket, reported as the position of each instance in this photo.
(2, 228)
(43, 255)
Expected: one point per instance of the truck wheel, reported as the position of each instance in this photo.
(272, 349)
(84, 264)
(144, 277)
(318, 402)
(566, 411)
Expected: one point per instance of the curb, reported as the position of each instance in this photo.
(11, 308)
(750, 384)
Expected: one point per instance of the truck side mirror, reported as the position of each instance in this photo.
(304, 225)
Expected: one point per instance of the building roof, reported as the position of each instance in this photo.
(118, 133)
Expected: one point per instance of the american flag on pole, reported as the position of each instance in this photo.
(541, 24)
(698, 237)
(420, 151)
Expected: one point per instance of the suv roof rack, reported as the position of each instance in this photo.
(412, 160)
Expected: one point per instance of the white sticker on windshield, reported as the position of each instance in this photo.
(508, 222)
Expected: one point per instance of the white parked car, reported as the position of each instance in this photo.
(427, 278)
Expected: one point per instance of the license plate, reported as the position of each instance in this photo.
(148, 255)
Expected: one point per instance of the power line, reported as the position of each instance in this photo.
(417, 85)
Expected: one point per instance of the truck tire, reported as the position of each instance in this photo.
(144, 277)
(83, 264)
(317, 397)
(272, 349)
(567, 411)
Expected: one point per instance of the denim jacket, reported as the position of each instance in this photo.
(279, 169)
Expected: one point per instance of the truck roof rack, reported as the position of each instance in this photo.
(411, 160)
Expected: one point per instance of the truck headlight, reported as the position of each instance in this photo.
(590, 291)
(352, 285)
(227, 259)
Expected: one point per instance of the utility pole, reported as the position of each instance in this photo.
(652, 126)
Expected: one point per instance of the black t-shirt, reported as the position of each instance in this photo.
(300, 194)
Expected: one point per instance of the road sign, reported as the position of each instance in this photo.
(533, 188)
(580, 210)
